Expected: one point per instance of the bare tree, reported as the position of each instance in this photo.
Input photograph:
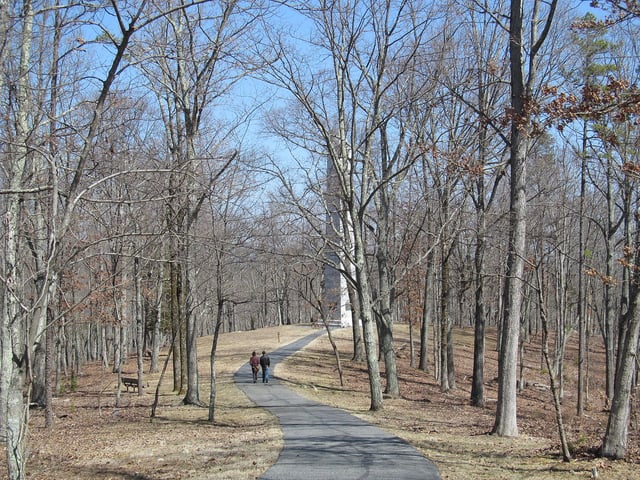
(521, 84)
(615, 439)
(486, 98)
(551, 362)
(192, 63)
(360, 76)
(64, 199)
(620, 103)
(228, 237)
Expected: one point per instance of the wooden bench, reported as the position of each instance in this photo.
(130, 382)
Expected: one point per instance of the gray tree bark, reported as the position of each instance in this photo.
(506, 411)
(615, 440)
(426, 315)
(139, 316)
(155, 335)
(386, 310)
(15, 350)
(521, 89)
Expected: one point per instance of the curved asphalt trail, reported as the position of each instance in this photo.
(325, 443)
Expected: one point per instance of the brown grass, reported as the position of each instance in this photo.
(456, 435)
(92, 439)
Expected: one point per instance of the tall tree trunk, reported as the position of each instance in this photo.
(582, 324)
(49, 369)
(615, 441)
(630, 217)
(192, 396)
(120, 334)
(610, 338)
(477, 384)
(44, 246)
(14, 409)
(386, 324)
(155, 342)
(183, 313)
(447, 373)
(521, 96)
(616, 437)
(137, 279)
(356, 325)
(212, 356)
(368, 322)
(506, 412)
(176, 330)
(426, 315)
(104, 346)
(392, 387)
(38, 375)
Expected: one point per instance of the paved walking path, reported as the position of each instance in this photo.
(325, 443)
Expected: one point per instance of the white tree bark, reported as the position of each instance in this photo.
(14, 317)
(17, 323)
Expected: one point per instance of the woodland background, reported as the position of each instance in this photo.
(165, 169)
(93, 438)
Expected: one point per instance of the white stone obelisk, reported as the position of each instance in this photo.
(335, 297)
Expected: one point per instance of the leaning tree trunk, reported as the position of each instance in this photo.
(615, 441)
(552, 366)
(368, 322)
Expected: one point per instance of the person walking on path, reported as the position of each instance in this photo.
(254, 361)
(265, 363)
(322, 442)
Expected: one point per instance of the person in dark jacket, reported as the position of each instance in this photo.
(265, 363)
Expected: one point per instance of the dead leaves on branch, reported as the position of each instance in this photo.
(618, 100)
(619, 10)
(631, 170)
(605, 279)
(629, 254)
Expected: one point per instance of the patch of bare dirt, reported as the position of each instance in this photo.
(94, 439)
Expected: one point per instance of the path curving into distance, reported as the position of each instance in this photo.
(326, 443)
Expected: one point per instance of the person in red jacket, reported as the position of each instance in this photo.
(255, 365)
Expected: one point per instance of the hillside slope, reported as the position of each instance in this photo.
(93, 439)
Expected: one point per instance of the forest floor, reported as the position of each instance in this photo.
(94, 439)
